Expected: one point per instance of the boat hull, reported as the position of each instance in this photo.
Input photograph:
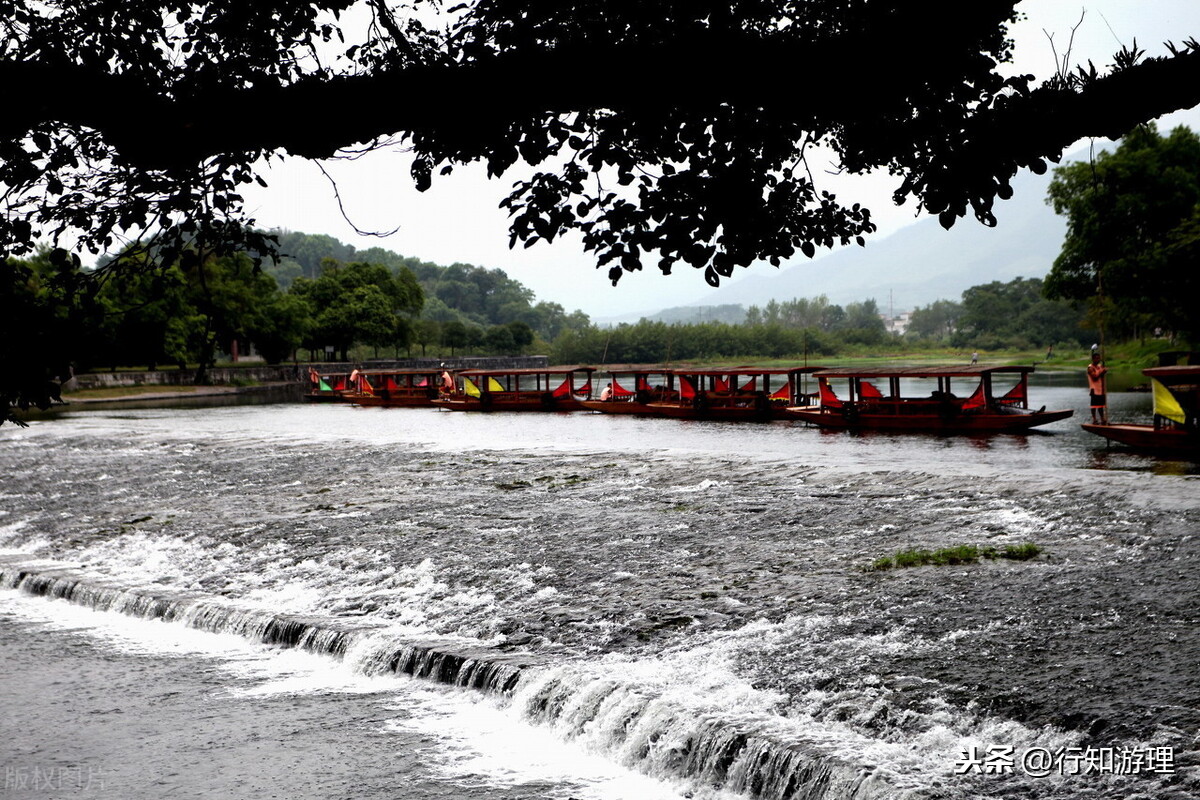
(630, 407)
(393, 401)
(925, 423)
(748, 412)
(718, 413)
(1147, 437)
(495, 403)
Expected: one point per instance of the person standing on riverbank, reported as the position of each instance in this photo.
(1096, 389)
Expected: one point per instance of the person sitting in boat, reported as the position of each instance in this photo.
(1096, 389)
(607, 394)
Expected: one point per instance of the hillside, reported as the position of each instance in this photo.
(462, 293)
(919, 263)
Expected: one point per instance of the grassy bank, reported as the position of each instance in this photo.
(120, 392)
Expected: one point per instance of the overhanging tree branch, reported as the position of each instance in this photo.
(813, 84)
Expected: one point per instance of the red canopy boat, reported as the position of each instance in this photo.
(729, 393)
(539, 389)
(1175, 427)
(406, 388)
(630, 389)
(871, 398)
(329, 387)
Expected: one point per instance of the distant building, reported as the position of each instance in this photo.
(898, 323)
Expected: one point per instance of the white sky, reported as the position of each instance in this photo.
(458, 219)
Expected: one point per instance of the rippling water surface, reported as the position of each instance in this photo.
(684, 608)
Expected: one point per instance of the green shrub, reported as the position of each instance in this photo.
(959, 554)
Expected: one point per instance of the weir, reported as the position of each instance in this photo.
(642, 730)
(444, 662)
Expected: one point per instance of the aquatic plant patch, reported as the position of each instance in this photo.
(960, 554)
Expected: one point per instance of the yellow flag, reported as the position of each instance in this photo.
(470, 389)
(1165, 404)
(494, 385)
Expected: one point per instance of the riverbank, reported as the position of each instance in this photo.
(117, 394)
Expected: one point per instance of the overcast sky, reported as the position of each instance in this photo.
(458, 220)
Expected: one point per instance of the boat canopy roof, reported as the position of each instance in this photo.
(743, 370)
(404, 371)
(529, 371)
(920, 372)
(640, 369)
(1180, 373)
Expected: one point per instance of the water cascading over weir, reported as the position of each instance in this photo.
(643, 730)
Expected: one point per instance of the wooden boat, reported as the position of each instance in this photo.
(734, 394)
(738, 394)
(545, 389)
(330, 387)
(864, 405)
(1175, 427)
(629, 389)
(405, 388)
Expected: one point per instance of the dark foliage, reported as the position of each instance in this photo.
(1133, 234)
(1017, 314)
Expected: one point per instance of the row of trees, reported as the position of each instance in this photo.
(357, 303)
(476, 297)
(648, 342)
(190, 315)
(990, 316)
(998, 315)
(193, 310)
(857, 323)
(184, 314)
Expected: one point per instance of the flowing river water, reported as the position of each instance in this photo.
(318, 601)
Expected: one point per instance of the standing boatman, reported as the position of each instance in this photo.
(1096, 389)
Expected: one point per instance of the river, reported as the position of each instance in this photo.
(232, 601)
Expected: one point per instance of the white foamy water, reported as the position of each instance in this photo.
(673, 695)
(696, 597)
(464, 736)
(482, 738)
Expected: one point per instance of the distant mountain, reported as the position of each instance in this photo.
(923, 262)
(918, 264)
(733, 314)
